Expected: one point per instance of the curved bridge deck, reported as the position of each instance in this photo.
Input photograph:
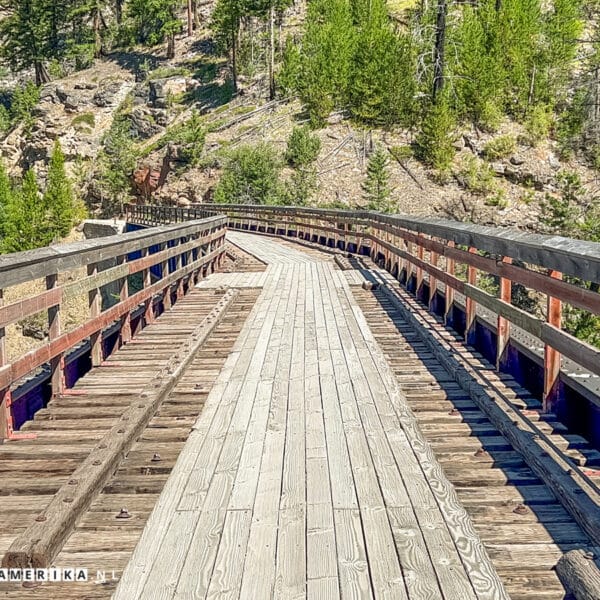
(306, 472)
(314, 445)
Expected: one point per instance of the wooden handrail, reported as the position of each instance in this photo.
(184, 252)
(413, 247)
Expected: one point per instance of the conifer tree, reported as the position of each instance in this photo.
(58, 198)
(376, 185)
(27, 223)
(225, 23)
(327, 51)
(5, 204)
(156, 21)
(27, 36)
(381, 89)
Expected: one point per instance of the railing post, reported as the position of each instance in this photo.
(552, 356)
(420, 256)
(57, 364)
(179, 266)
(470, 305)
(433, 259)
(165, 273)
(6, 420)
(147, 282)
(449, 295)
(503, 327)
(123, 295)
(95, 304)
(4, 400)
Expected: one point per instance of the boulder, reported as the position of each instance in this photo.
(554, 162)
(105, 96)
(517, 160)
(161, 89)
(144, 125)
(68, 100)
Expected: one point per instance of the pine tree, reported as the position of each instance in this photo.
(376, 185)
(327, 51)
(156, 21)
(28, 38)
(225, 23)
(382, 84)
(58, 199)
(6, 196)
(28, 226)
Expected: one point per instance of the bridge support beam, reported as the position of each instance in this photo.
(95, 300)
(449, 290)
(551, 355)
(470, 304)
(503, 326)
(57, 364)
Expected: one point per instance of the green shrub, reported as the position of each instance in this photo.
(435, 143)
(402, 153)
(490, 117)
(191, 135)
(476, 176)
(500, 147)
(24, 100)
(303, 147)
(497, 199)
(301, 186)
(250, 176)
(84, 119)
(4, 119)
(538, 123)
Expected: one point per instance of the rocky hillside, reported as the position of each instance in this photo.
(500, 178)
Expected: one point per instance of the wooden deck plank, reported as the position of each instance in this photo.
(301, 477)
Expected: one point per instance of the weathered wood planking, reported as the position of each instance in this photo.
(306, 451)
(39, 544)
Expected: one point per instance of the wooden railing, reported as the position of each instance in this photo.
(178, 254)
(427, 253)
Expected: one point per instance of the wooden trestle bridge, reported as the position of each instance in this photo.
(275, 402)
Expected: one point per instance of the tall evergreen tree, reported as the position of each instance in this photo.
(226, 19)
(382, 84)
(327, 52)
(28, 38)
(376, 185)
(28, 226)
(58, 198)
(5, 204)
(156, 21)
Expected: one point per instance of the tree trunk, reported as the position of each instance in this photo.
(272, 53)
(190, 18)
(440, 47)
(171, 46)
(234, 57)
(119, 11)
(41, 74)
(196, 14)
(97, 36)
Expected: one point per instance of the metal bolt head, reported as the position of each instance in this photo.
(521, 509)
(41, 518)
(123, 514)
(156, 457)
